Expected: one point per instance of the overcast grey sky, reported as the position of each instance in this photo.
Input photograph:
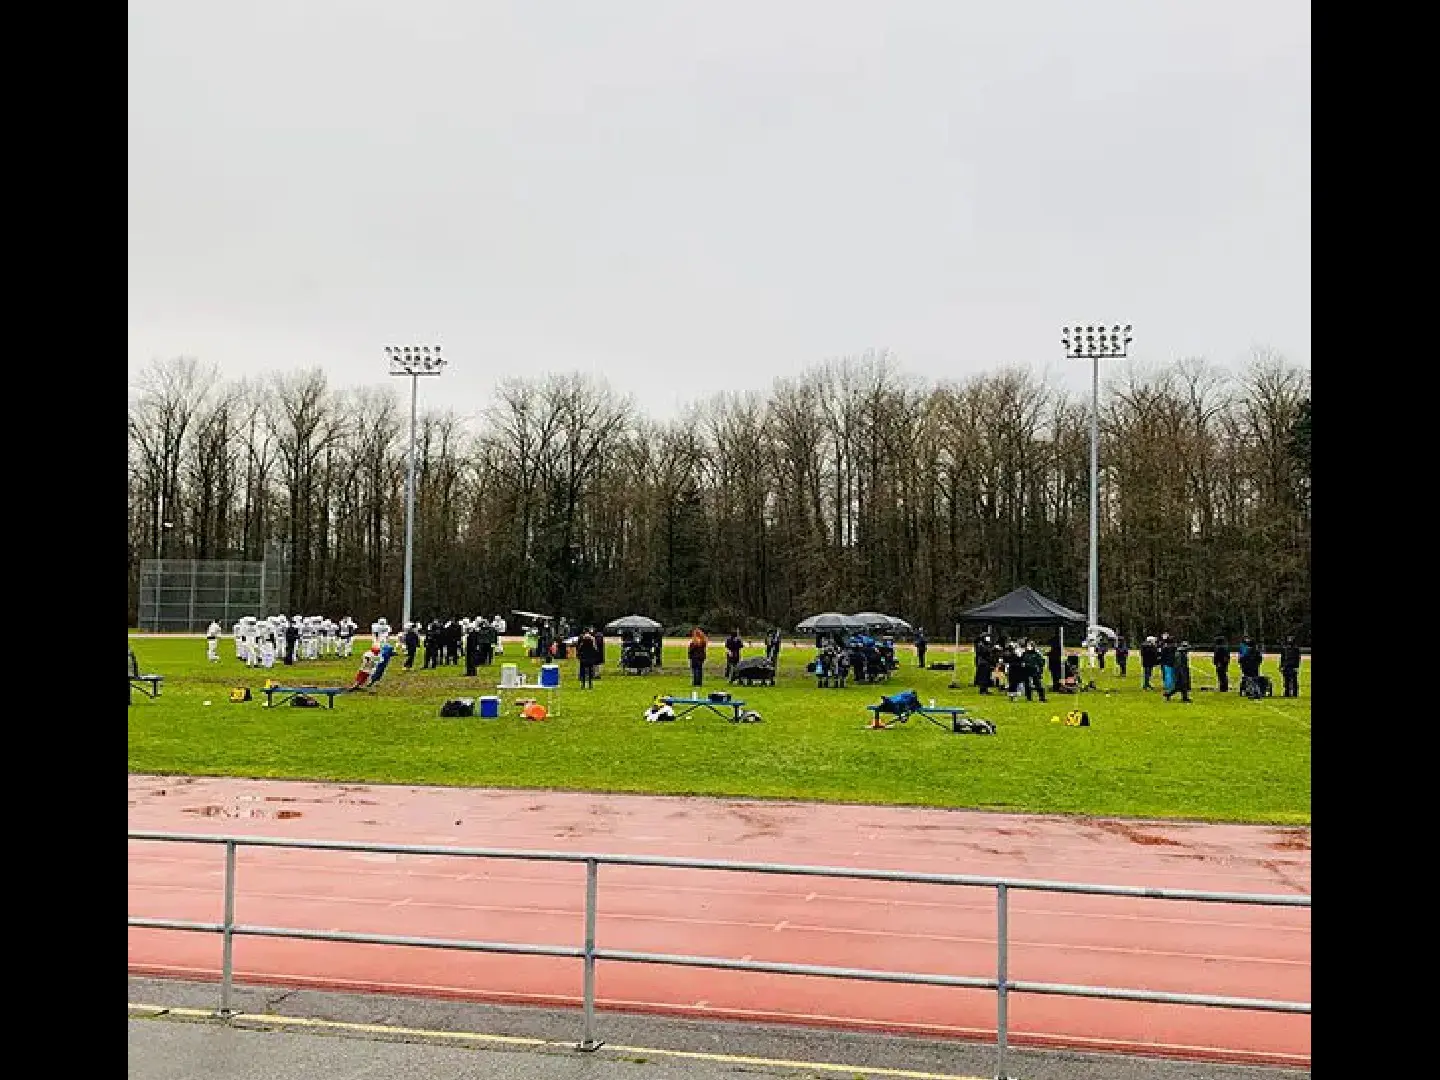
(688, 197)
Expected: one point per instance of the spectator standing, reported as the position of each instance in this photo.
(985, 659)
(434, 642)
(1102, 646)
(1167, 664)
(1221, 657)
(1149, 661)
(292, 635)
(1033, 665)
(472, 647)
(587, 652)
(733, 644)
(921, 645)
(772, 647)
(1181, 679)
(698, 647)
(411, 641)
(1290, 668)
(1122, 653)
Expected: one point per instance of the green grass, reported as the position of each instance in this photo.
(1222, 758)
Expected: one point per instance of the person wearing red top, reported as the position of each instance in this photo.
(699, 646)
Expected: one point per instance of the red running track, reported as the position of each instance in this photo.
(1234, 950)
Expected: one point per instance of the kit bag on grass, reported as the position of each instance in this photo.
(462, 706)
(239, 693)
(304, 701)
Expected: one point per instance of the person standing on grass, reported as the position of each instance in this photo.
(1055, 660)
(472, 646)
(772, 647)
(212, 642)
(1290, 668)
(1221, 657)
(733, 645)
(292, 638)
(1149, 661)
(1167, 664)
(1122, 653)
(921, 645)
(1102, 646)
(1033, 665)
(587, 652)
(411, 641)
(696, 651)
(984, 663)
(1182, 671)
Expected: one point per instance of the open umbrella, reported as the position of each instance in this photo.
(828, 622)
(873, 620)
(631, 622)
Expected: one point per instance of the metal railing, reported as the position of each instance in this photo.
(1001, 983)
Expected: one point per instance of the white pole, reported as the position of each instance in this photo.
(410, 509)
(1094, 612)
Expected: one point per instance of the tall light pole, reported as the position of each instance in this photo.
(1095, 343)
(414, 361)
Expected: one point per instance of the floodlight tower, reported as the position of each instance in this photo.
(413, 361)
(1095, 343)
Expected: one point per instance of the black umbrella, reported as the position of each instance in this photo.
(828, 622)
(873, 620)
(631, 622)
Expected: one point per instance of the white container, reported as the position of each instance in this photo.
(509, 676)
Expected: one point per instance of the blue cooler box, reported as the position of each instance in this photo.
(550, 675)
(489, 708)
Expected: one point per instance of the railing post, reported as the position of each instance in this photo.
(1002, 977)
(592, 873)
(227, 935)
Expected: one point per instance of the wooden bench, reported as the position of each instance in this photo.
(288, 692)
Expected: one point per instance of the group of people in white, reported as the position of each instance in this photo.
(260, 642)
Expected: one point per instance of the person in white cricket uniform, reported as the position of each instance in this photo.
(212, 642)
(347, 635)
(239, 634)
(498, 622)
(268, 648)
(380, 631)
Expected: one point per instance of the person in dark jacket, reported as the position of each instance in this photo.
(772, 647)
(434, 643)
(1033, 664)
(1149, 661)
(1122, 653)
(411, 637)
(699, 646)
(292, 635)
(733, 645)
(1055, 658)
(1167, 664)
(985, 658)
(587, 652)
(1290, 668)
(1221, 656)
(472, 647)
(1180, 678)
(921, 645)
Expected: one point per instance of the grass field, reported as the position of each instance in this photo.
(1222, 758)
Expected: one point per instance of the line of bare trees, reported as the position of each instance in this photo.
(852, 487)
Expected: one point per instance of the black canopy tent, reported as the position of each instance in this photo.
(1021, 607)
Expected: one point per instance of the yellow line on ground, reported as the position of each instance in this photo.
(514, 1040)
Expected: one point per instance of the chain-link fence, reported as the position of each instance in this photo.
(183, 595)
